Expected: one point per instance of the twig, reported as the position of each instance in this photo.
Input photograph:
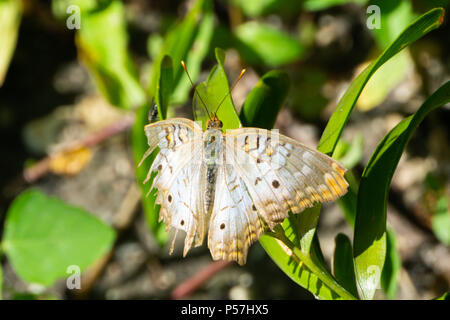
(42, 167)
(192, 284)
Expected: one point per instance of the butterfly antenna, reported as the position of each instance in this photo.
(229, 92)
(195, 89)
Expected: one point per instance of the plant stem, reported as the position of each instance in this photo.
(322, 274)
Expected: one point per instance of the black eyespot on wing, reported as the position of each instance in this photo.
(275, 184)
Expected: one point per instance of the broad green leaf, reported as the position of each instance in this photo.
(343, 267)
(417, 29)
(265, 100)
(212, 92)
(369, 245)
(44, 236)
(107, 58)
(440, 221)
(260, 44)
(10, 16)
(392, 266)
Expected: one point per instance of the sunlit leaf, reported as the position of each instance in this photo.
(369, 245)
(215, 90)
(44, 236)
(260, 44)
(10, 16)
(417, 29)
(107, 58)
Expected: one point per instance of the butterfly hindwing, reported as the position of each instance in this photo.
(234, 223)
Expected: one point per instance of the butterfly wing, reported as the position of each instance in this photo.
(234, 223)
(282, 174)
(179, 177)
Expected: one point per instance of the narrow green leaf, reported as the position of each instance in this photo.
(343, 267)
(370, 225)
(265, 100)
(107, 58)
(445, 296)
(10, 16)
(212, 92)
(44, 236)
(164, 86)
(260, 44)
(301, 268)
(392, 266)
(417, 29)
(179, 45)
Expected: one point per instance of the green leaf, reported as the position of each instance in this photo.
(349, 155)
(265, 100)
(254, 8)
(445, 296)
(301, 268)
(10, 16)
(316, 5)
(43, 236)
(212, 92)
(392, 266)
(343, 268)
(187, 40)
(260, 44)
(421, 26)
(395, 16)
(440, 220)
(370, 225)
(107, 58)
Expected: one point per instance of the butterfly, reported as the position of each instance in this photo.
(232, 185)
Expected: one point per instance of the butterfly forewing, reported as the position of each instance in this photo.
(282, 174)
(179, 179)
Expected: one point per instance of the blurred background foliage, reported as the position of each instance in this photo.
(59, 85)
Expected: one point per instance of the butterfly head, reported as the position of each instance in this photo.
(214, 122)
